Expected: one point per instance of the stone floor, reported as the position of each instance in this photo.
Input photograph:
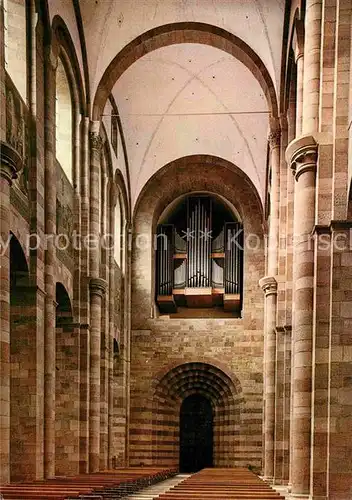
(157, 489)
(282, 490)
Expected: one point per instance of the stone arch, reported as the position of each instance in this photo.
(182, 177)
(62, 45)
(170, 391)
(184, 32)
(68, 80)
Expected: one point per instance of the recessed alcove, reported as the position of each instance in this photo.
(199, 258)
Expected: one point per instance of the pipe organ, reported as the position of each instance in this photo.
(199, 257)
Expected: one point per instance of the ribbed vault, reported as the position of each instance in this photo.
(185, 380)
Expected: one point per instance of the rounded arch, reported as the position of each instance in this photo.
(63, 301)
(121, 187)
(70, 99)
(169, 209)
(188, 379)
(179, 177)
(63, 46)
(18, 259)
(184, 32)
(217, 365)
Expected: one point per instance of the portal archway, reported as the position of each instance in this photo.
(184, 394)
(196, 433)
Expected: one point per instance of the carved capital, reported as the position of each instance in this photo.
(10, 162)
(302, 155)
(95, 141)
(97, 286)
(269, 285)
(274, 138)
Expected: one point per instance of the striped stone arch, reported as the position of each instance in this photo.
(225, 395)
(184, 32)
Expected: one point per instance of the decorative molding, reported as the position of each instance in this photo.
(340, 225)
(269, 285)
(302, 154)
(97, 286)
(320, 229)
(10, 162)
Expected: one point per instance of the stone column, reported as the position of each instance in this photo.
(279, 405)
(84, 299)
(50, 65)
(311, 81)
(2, 76)
(269, 287)
(273, 242)
(301, 155)
(10, 164)
(97, 290)
(298, 48)
(112, 284)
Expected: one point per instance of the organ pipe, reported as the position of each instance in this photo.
(199, 268)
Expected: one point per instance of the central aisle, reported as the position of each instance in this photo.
(211, 484)
(157, 489)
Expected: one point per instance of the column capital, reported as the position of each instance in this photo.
(95, 141)
(302, 154)
(97, 286)
(10, 162)
(269, 285)
(274, 138)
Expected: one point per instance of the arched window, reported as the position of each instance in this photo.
(64, 120)
(15, 22)
(117, 232)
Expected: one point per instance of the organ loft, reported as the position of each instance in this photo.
(175, 249)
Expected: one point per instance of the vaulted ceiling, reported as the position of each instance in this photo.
(187, 98)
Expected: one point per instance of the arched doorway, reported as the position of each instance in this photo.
(196, 434)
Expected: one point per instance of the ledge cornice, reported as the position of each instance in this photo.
(10, 162)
